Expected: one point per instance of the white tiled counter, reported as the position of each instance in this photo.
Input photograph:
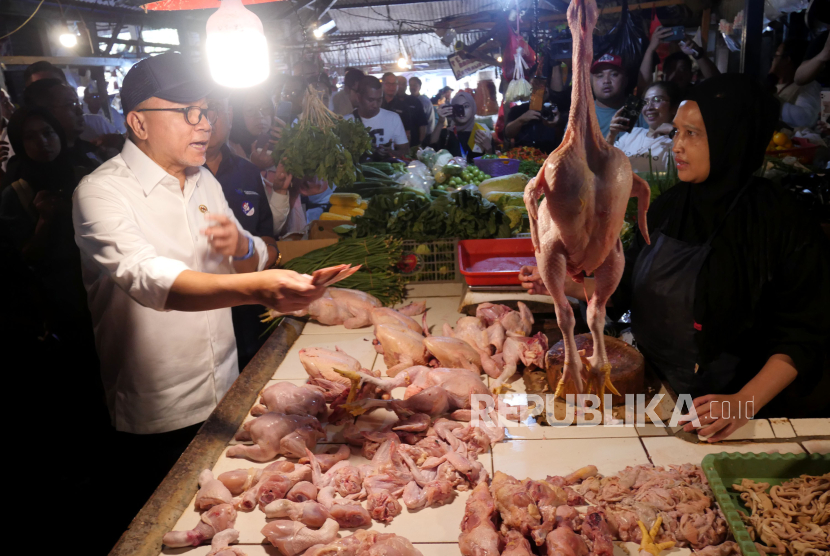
(528, 450)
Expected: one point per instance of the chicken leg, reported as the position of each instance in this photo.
(575, 229)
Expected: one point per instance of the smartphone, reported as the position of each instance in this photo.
(284, 111)
(632, 108)
(678, 33)
(264, 140)
(457, 111)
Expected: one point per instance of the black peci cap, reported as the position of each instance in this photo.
(168, 76)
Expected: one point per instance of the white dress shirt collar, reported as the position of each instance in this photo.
(149, 174)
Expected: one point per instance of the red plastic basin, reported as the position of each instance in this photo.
(494, 262)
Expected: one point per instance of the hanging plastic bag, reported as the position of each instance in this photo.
(519, 88)
(627, 40)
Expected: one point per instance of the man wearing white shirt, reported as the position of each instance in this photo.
(385, 127)
(164, 259)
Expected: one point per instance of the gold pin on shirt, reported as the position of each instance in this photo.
(203, 208)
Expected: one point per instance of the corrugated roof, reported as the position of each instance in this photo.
(423, 47)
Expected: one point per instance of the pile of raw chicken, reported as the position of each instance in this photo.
(422, 459)
(658, 508)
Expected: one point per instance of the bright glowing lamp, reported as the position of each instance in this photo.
(69, 40)
(498, 59)
(236, 48)
(318, 33)
(402, 62)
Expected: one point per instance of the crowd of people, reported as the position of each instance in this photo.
(74, 277)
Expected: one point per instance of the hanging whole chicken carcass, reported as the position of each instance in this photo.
(576, 228)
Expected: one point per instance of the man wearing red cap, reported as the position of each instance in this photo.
(609, 81)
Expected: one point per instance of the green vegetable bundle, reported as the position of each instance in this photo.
(462, 214)
(322, 144)
(377, 276)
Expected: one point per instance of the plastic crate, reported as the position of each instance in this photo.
(431, 261)
(725, 469)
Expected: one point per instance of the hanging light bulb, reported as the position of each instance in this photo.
(318, 33)
(498, 59)
(68, 40)
(402, 62)
(236, 48)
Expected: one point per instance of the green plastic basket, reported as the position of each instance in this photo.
(726, 469)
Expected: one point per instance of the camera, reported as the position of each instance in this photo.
(549, 111)
(457, 111)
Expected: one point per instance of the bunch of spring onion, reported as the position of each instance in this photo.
(378, 257)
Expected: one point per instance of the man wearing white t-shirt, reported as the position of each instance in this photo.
(385, 127)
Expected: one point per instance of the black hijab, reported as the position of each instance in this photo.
(55, 175)
(239, 131)
(740, 118)
(765, 285)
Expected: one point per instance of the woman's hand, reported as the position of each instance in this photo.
(485, 140)
(276, 131)
(49, 204)
(285, 290)
(662, 129)
(311, 186)
(282, 179)
(224, 236)
(530, 116)
(619, 124)
(445, 111)
(720, 415)
(532, 281)
(261, 158)
(690, 48)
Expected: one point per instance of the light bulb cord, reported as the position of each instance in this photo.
(24, 23)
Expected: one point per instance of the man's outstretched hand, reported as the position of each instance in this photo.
(532, 281)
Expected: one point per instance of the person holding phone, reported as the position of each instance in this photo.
(609, 83)
(677, 67)
(649, 149)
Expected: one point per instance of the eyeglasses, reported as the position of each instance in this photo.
(655, 101)
(192, 114)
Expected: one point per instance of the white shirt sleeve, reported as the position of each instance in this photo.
(806, 109)
(106, 233)
(397, 134)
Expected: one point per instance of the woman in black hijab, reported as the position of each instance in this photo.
(36, 207)
(731, 301)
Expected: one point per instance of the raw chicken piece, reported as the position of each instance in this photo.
(211, 492)
(530, 351)
(517, 323)
(326, 461)
(401, 347)
(562, 541)
(238, 480)
(292, 537)
(431, 391)
(517, 509)
(302, 492)
(349, 515)
(478, 532)
(648, 546)
(220, 545)
(516, 545)
(586, 185)
(432, 494)
(455, 353)
(729, 548)
(351, 308)
(412, 309)
(595, 529)
(309, 513)
(320, 363)
(386, 315)
(367, 543)
(289, 399)
(418, 422)
(490, 313)
(274, 434)
(216, 519)
(272, 483)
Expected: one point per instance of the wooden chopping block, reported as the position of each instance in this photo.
(627, 365)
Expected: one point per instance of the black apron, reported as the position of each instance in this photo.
(662, 313)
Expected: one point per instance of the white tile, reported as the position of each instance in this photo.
(811, 427)
(675, 451)
(633, 549)
(782, 428)
(358, 346)
(651, 430)
(447, 289)
(817, 446)
(757, 429)
(539, 458)
(441, 524)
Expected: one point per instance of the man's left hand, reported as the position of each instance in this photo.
(720, 415)
(224, 236)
